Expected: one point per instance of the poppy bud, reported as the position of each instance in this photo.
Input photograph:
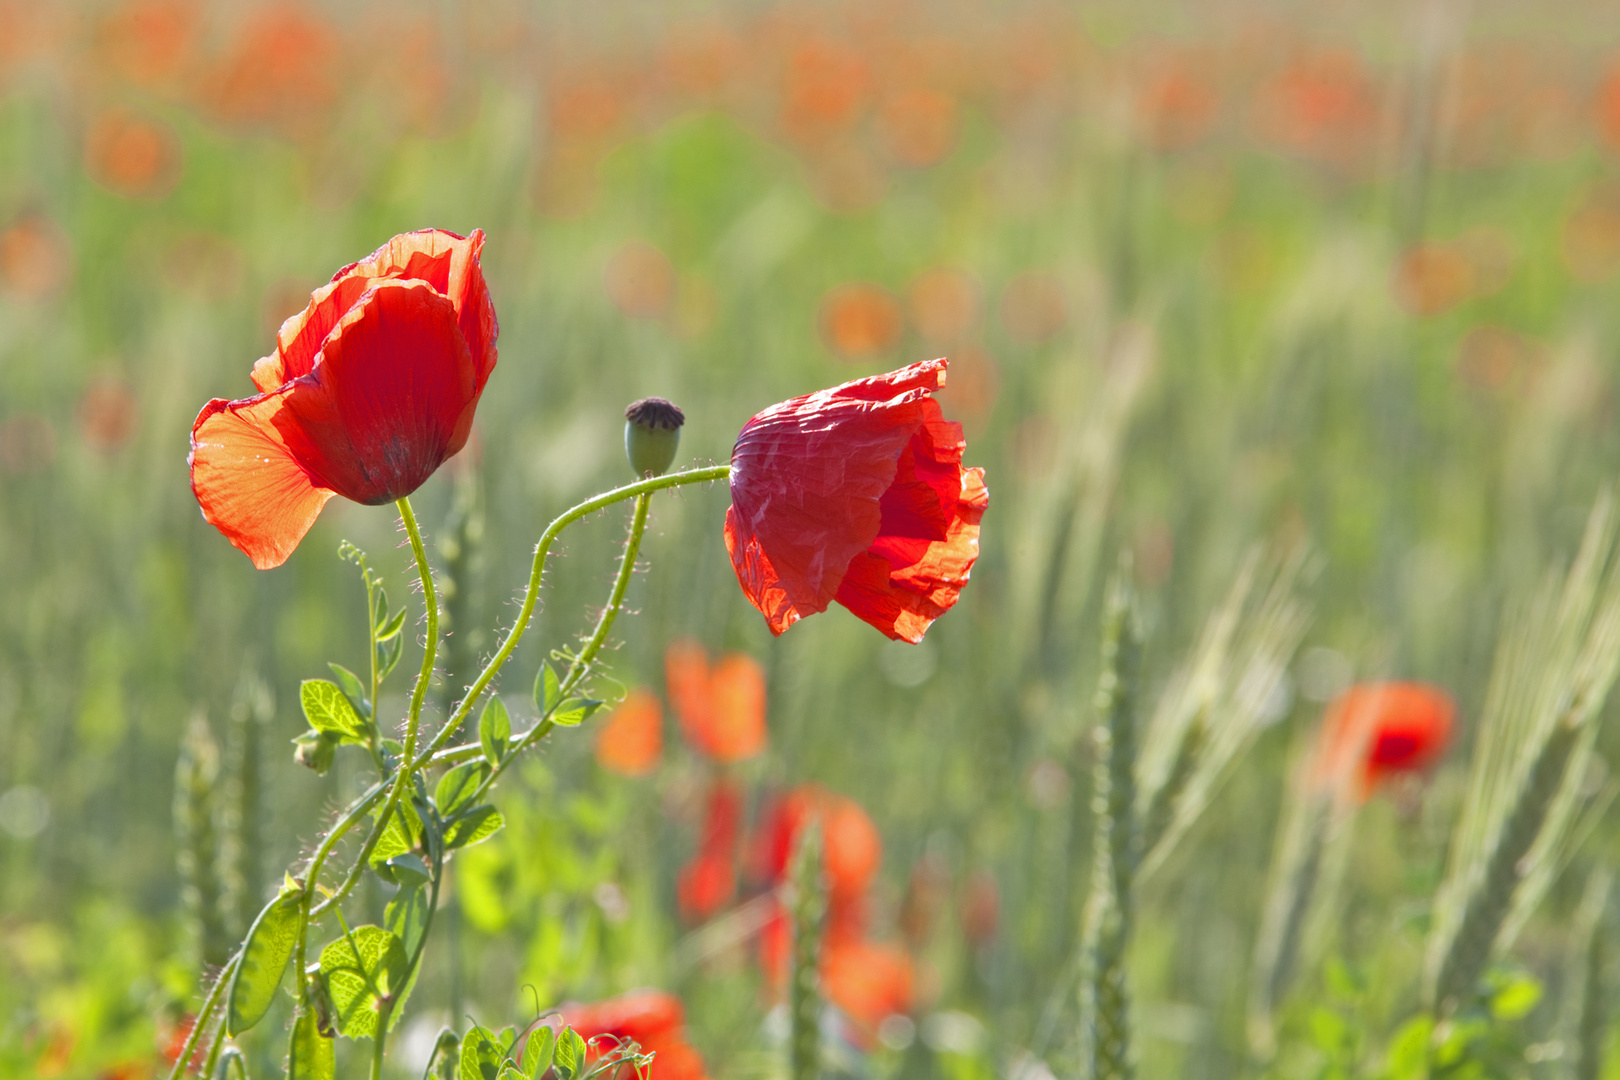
(652, 431)
(315, 750)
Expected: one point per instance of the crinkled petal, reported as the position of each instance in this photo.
(807, 477)
(250, 484)
(397, 394)
(446, 262)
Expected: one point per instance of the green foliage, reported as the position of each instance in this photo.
(328, 709)
(269, 946)
(494, 730)
(366, 973)
(312, 1056)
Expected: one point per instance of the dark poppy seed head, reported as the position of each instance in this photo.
(656, 413)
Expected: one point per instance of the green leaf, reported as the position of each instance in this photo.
(388, 653)
(312, 1057)
(575, 711)
(269, 946)
(1515, 1000)
(494, 729)
(537, 1052)
(481, 1058)
(352, 688)
(365, 975)
(407, 916)
(547, 689)
(392, 628)
(399, 837)
(328, 709)
(379, 606)
(457, 787)
(1409, 1049)
(409, 869)
(472, 827)
(568, 1059)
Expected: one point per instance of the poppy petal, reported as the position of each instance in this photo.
(807, 478)
(445, 261)
(250, 485)
(397, 394)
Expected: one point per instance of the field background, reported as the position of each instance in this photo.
(1326, 278)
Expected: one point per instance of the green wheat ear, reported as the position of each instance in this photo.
(1555, 664)
(1104, 990)
(196, 782)
(804, 995)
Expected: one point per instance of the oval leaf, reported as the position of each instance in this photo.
(537, 1052)
(475, 825)
(327, 709)
(388, 653)
(457, 787)
(481, 1058)
(568, 1059)
(365, 974)
(269, 946)
(547, 689)
(352, 688)
(494, 729)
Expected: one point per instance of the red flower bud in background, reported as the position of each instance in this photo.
(1374, 731)
(369, 390)
(856, 494)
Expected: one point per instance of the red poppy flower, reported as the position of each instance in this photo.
(652, 1019)
(856, 494)
(1374, 731)
(369, 390)
(722, 709)
(632, 739)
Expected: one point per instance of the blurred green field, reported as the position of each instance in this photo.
(1306, 282)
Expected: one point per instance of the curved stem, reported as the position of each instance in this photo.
(204, 1014)
(430, 651)
(536, 573)
(581, 665)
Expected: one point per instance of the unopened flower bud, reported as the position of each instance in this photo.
(315, 750)
(652, 431)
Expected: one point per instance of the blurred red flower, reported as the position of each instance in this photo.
(709, 882)
(369, 390)
(721, 709)
(860, 320)
(856, 494)
(132, 155)
(632, 739)
(653, 1019)
(1374, 731)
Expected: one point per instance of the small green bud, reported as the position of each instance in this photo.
(652, 431)
(315, 750)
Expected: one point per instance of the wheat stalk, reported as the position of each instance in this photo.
(1554, 667)
(1105, 992)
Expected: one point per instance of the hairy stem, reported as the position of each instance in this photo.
(204, 1014)
(536, 574)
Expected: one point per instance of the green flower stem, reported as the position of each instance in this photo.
(582, 663)
(204, 1015)
(536, 573)
(413, 722)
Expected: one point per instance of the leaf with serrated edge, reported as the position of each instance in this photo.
(537, 1052)
(547, 689)
(327, 709)
(312, 1057)
(472, 827)
(269, 946)
(352, 688)
(480, 1057)
(494, 729)
(364, 973)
